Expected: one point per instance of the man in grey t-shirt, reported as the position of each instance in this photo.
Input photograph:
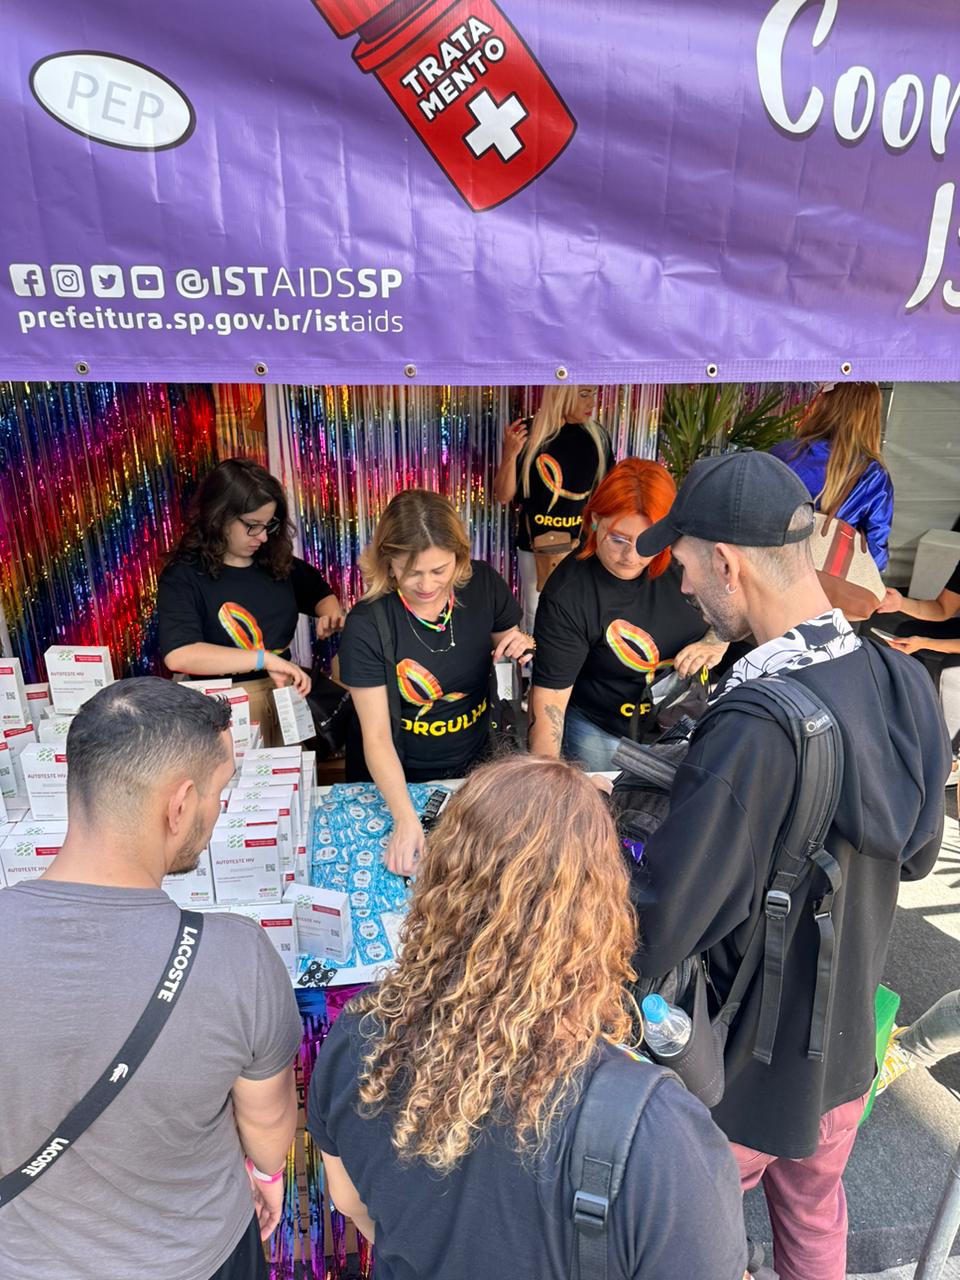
(156, 1188)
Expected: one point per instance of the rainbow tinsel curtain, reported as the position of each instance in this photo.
(94, 483)
(352, 448)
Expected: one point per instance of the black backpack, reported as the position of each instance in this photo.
(640, 801)
(610, 1111)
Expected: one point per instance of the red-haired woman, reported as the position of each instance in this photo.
(609, 622)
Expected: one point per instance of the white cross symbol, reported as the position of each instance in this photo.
(496, 125)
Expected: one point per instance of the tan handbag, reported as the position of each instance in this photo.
(847, 571)
(548, 550)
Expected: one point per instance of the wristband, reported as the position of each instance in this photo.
(264, 1177)
(261, 659)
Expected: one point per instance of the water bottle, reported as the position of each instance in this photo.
(666, 1029)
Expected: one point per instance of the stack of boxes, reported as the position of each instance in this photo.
(34, 720)
(257, 861)
(259, 844)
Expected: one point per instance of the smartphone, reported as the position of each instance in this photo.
(883, 635)
(431, 812)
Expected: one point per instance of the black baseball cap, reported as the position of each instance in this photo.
(747, 499)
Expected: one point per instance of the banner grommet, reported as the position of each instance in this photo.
(712, 370)
(846, 368)
(563, 373)
(260, 368)
(82, 367)
(410, 370)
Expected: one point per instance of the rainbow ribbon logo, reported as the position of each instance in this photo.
(421, 687)
(241, 626)
(549, 471)
(633, 646)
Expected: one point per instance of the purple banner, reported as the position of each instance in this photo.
(482, 191)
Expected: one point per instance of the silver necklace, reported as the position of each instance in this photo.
(430, 648)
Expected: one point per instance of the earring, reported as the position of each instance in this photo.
(732, 591)
(594, 526)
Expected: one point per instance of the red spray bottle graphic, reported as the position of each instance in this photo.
(464, 78)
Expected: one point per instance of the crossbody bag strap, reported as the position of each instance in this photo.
(123, 1065)
(390, 662)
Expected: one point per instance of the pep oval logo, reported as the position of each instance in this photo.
(114, 100)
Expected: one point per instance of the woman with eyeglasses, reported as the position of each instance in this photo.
(554, 460)
(230, 597)
(610, 623)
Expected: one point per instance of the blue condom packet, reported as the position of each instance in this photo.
(351, 830)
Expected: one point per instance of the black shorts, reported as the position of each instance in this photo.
(248, 1261)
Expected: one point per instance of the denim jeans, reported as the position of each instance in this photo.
(585, 743)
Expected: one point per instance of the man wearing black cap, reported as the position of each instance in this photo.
(739, 530)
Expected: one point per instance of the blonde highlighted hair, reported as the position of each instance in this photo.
(413, 522)
(512, 968)
(849, 418)
(556, 407)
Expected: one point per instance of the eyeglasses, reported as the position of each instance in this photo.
(256, 528)
(619, 541)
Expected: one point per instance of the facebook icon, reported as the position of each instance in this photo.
(27, 279)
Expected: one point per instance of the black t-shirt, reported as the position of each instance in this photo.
(562, 477)
(603, 636)
(678, 1213)
(443, 676)
(954, 583)
(242, 607)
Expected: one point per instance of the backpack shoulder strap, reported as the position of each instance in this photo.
(818, 745)
(610, 1111)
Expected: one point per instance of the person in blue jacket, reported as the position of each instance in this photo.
(837, 454)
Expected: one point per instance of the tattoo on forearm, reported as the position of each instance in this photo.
(555, 716)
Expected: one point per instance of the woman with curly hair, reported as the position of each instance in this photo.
(444, 1100)
(229, 599)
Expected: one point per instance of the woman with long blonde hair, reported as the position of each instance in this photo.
(551, 464)
(444, 1100)
(430, 625)
(837, 453)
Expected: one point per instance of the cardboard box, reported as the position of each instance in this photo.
(239, 699)
(45, 775)
(246, 864)
(192, 888)
(255, 807)
(279, 921)
(14, 707)
(8, 774)
(5, 822)
(294, 715)
(324, 928)
(76, 673)
(54, 729)
(27, 857)
(279, 799)
(17, 739)
(38, 699)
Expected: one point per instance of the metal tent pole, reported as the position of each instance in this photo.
(943, 1229)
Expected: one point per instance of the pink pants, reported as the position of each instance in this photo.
(805, 1198)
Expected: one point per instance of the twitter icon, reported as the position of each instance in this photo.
(107, 281)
